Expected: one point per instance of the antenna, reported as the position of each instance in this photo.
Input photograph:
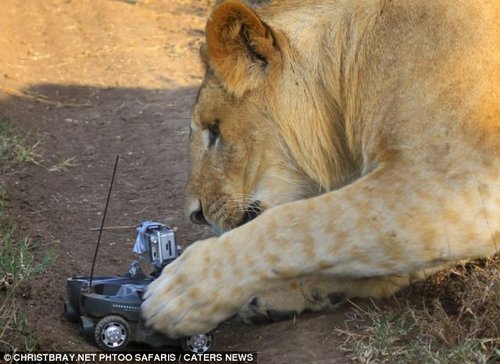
(103, 219)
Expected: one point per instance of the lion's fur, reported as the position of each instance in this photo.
(357, 55)
(319, 96)
(366, 136)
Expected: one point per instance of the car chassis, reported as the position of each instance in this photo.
(108, 308)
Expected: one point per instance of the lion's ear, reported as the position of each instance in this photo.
(241, 48)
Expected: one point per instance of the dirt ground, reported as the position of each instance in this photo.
(90, 79)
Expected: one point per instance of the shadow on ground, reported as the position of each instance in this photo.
(149, 129)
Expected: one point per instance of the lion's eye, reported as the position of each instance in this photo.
(213, 134)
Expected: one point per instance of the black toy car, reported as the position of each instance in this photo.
(108, 307)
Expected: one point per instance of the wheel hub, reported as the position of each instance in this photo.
(199, 341)
(113, 335)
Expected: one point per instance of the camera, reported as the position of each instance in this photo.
(162, 245)
(156, 244)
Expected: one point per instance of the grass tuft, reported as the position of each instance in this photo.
(17, 261)
(451, 317)
(13, 147)
(17, 266)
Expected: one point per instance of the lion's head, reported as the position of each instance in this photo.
(259, 135)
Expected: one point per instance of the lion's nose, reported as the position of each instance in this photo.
(198, 217)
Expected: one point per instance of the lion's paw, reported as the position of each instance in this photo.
(189, 297)
(289, 301)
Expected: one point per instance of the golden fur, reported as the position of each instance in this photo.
(379, 118)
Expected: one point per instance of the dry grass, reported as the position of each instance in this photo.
(40, 98)
(451, 317)
(15, 150)
(63, 165)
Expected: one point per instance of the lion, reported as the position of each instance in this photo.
(339, 148)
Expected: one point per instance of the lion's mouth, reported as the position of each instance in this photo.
(252, 211)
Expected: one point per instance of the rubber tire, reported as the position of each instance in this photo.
(185, 346)
(103, 323)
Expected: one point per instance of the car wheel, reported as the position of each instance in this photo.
(112, 333)
(198, 343)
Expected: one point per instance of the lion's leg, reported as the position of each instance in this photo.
(392, 221)
(396, 220)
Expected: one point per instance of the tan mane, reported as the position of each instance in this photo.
(329, 151)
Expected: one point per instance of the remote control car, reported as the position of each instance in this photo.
(108, 307)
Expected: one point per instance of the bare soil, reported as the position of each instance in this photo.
(90, 79)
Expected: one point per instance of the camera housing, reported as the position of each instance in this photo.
(162, 247)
